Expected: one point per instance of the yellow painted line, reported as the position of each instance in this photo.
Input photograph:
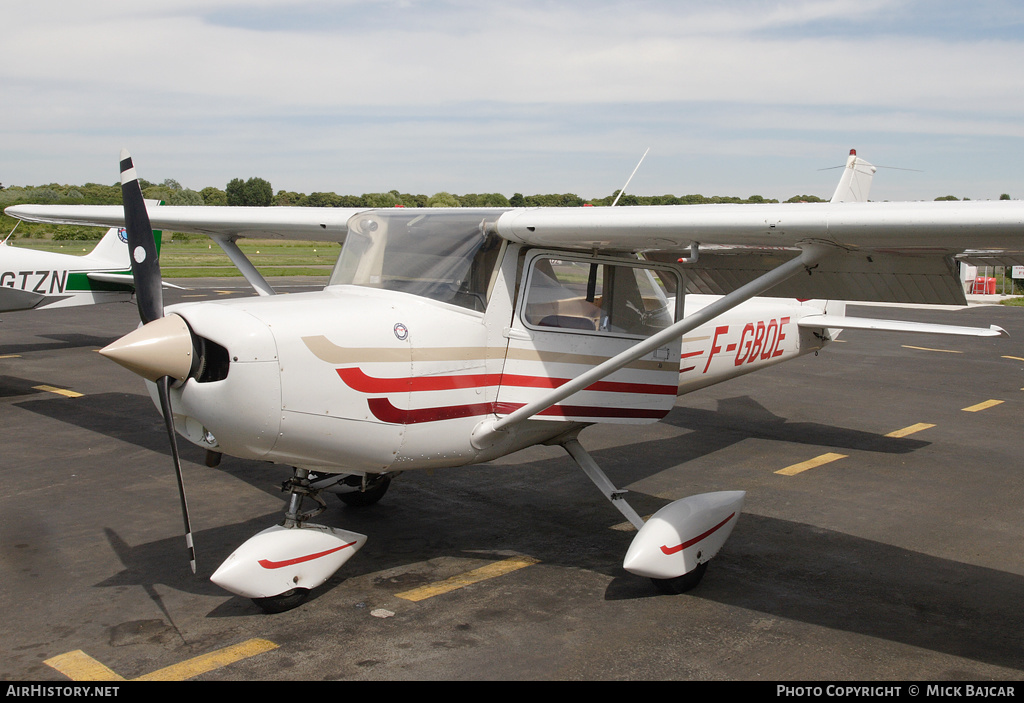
(945, 351)
(58, 391)
(810, 464)
(910, 430)
(208, 662)
(1015, 358)
(11, 356)
(490, 571)
(982, 406)
(79, 666)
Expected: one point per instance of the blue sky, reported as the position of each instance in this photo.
(737, 97)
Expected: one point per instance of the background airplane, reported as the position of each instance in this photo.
(34, 279)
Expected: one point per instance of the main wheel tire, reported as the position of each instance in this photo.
(373, 493)
(283, 601)
(681, 584)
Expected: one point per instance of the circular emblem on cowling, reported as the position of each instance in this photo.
(401, 331)
(122, 234)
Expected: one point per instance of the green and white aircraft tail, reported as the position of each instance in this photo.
(31, 279)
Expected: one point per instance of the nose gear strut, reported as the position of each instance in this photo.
(298, 488)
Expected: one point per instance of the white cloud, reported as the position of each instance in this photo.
(438, 92)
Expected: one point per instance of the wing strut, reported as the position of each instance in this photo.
(485, 433)
(254, 277)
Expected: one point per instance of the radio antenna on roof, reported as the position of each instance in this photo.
(630, 177)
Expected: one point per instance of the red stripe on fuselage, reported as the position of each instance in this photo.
(385, 411)
(358, 380)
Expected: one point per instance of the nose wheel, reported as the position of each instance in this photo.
(282, 602)
(681, 584)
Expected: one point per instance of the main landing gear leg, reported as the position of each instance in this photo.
(674, 546)
(603, 483)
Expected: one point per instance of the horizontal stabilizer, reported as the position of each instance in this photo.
(125, 278)
(867, 323)
(17, 299)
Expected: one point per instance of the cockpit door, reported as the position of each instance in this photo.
(574, 312)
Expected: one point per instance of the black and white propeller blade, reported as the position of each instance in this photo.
(149, 295)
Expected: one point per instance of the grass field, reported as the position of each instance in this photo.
(197, 257)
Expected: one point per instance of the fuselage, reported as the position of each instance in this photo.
(36, 279)
(366, 376)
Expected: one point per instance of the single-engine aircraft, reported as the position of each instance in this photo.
(33, 279)
(450, 337)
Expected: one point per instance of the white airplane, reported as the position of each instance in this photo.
(450, 337)
(33, 279)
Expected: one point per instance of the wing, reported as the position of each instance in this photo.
(894, 252)
(891, 252)
(311, 223)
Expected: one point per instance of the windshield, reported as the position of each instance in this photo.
(442, 255)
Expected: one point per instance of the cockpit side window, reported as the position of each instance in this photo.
(599, 297)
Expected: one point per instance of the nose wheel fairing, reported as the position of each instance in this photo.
(280, 565)
(280, 559)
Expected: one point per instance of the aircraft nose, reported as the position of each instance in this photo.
(163, 347)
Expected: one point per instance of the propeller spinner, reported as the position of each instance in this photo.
(162, 349)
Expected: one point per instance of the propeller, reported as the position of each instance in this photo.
(149, 296)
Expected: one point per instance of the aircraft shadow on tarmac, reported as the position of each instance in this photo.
(777, 567)
(133, 418)
(60, 341)
(126, 417)
(13, 387)
(741, 418)
(781, 568)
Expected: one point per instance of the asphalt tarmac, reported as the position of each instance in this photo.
(893, 552)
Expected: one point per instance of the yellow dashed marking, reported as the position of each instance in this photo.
(910, 430)
(58, 391)
(810, 464)
(1015, 358)
(79, 666)
(945, 351)
(982, 406)
(490, 571)
(11, 356)
(208, 662)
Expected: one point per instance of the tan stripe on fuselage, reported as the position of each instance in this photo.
(326, 350)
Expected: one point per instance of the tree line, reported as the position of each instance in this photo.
(258, 192)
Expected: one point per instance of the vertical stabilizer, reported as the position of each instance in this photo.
(855, 183)
(112, 250)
